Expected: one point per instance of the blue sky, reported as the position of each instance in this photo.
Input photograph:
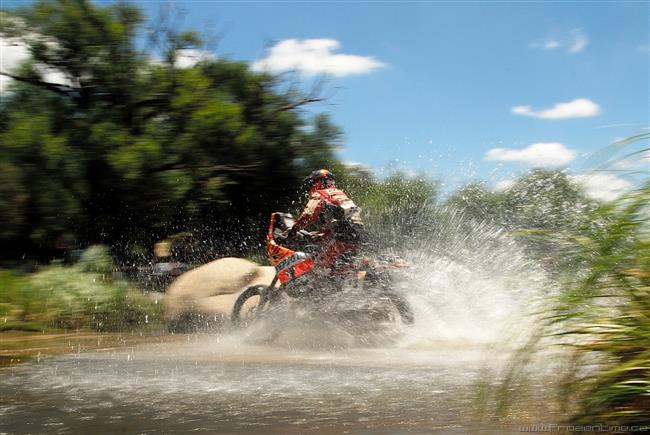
(454, 71)
(431, 86)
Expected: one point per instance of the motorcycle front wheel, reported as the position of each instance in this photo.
(248, 305)
(402, 306)
(382, 286)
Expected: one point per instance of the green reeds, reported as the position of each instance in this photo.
(600, 322)
(604, 318)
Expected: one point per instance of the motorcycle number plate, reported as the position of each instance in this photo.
(291, 260)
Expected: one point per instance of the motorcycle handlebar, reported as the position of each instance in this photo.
(305, 239)
(307, 234)
(283, 231)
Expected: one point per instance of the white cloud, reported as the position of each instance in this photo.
(550, 45)
(547, 44)
(602, 186)
(13, 53)
(502, 185)
(314, 56)
(537, 154)
(188, 57)
(573, 42)
(579, 41)
(356, 166)
(578, 108)
(640, 161)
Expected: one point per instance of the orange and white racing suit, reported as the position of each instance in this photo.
(339, 222)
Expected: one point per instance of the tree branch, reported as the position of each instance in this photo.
(53, 87)
(314, 95)
(299, 103)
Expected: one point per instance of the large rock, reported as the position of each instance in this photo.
(205, 296)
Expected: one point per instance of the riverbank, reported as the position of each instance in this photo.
(17, 347)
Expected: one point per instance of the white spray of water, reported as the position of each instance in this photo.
(469, 281)
(466, 282)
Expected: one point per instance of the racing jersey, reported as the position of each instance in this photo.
(337, 216)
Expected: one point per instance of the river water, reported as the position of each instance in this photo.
(472, 292)
(213, 383)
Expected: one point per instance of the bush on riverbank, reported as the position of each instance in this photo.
(83, 296)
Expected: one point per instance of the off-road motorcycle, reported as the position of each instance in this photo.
(298, 280)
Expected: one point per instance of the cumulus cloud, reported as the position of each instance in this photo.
(188, 57)
(314, 56)
(537, 154)
(550, 44)
(573, 42)
(578, 108)
(12, 54)
(578, 41)
(503, 185)
(602, 186)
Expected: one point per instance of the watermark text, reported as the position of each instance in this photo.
(552, 427)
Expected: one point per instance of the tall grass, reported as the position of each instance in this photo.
(600, 320)
(606, 316)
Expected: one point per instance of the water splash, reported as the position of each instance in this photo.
(468, 280)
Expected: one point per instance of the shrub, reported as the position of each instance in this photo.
(83, 296)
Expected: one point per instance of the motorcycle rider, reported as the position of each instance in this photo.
(340, 228)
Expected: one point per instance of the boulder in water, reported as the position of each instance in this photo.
(205, 296)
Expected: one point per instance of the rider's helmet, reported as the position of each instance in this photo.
(321, 179)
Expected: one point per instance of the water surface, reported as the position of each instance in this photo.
(217, 384)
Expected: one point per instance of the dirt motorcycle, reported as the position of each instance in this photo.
(297, 278)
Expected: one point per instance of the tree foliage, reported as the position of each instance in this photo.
(539, 199)
(128, 149)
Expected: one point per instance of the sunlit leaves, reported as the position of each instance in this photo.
(136, 148)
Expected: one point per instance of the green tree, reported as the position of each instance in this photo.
(128, 151)
(539, 199)
(478, 203)
(545, 200)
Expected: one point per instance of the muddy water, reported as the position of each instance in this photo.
(222, 384)
(307, 372)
